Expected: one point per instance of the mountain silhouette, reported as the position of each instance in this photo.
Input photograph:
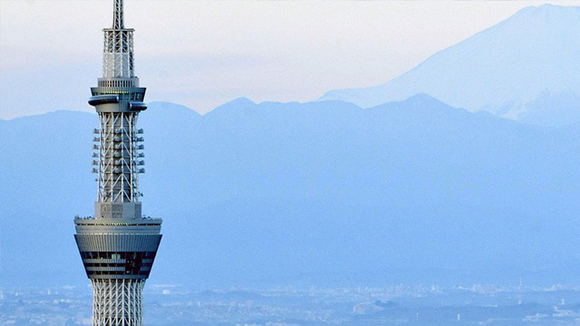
(525, 68)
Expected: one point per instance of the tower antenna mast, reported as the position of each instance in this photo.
(118, 15)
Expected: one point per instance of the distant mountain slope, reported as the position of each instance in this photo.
(315, 193)
(525, 68)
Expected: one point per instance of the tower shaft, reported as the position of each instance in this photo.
(118, 245)
(118, 302)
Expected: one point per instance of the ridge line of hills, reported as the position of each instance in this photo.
(413, 191)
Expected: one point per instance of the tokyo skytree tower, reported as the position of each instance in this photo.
(118, 245)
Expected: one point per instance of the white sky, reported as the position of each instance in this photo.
(205, 53)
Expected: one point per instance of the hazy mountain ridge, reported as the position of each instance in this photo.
(414, 191)
(509, 69)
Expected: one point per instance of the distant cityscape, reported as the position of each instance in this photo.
(285, 306)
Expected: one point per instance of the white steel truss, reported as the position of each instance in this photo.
(118, 54)
(118, 302)
(118, 47)
(118, 12)
(118, 157)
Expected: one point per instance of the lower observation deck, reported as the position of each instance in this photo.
(118, 248)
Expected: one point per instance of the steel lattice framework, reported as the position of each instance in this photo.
(118, 245)
(118, 302)
(118, 164)
(118, 53)
(118, 47)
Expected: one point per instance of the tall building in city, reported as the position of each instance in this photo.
(118, 245)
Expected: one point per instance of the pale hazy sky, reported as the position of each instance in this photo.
(205, 53)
